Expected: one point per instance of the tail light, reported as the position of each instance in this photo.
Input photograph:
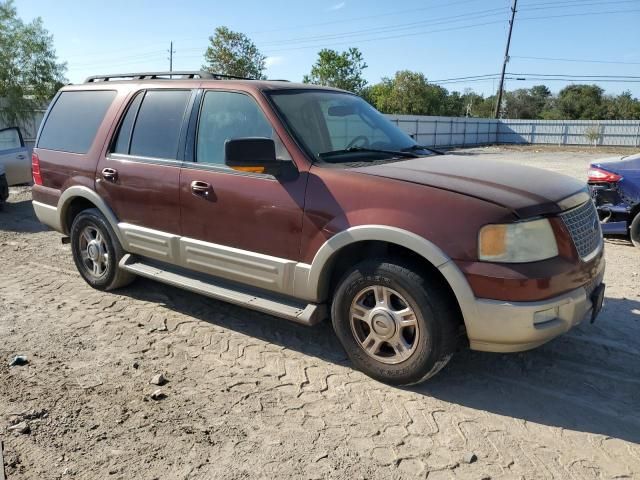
(600, 175)
(35, 169)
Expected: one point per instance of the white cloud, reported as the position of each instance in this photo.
(272, 61)
(337, 6)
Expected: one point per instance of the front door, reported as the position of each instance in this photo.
(239, 225)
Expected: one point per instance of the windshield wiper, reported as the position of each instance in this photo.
(396, 153)
(422, 147)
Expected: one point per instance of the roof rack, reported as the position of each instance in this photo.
(176, 75)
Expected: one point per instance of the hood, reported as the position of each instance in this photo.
(526, 191)
(620, 165)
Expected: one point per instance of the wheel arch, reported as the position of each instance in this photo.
(76, 199)
(348, 247)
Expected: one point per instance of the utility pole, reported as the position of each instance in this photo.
(171, 52)
(506, 58)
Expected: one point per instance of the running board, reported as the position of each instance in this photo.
(306, 314)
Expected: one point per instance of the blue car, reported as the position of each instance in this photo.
(615, 187)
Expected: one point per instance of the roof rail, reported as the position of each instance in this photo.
(176, 75)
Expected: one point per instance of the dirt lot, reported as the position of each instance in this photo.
(252, 396)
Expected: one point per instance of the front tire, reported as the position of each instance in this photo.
(396, 323)
(97, 251)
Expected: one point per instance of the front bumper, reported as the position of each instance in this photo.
(501, 326)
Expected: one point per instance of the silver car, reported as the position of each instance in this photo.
(15, 164)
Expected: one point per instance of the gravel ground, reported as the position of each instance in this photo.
(250, 396)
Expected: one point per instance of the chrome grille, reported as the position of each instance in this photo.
(584, 226)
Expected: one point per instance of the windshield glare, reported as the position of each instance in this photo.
(327, 121)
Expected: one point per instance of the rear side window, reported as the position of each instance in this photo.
(74, 120)
(157, 129)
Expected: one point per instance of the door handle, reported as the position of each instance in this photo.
(110, 174)
(20, 156)
(200, 188)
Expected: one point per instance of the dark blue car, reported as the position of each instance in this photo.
(615, 186)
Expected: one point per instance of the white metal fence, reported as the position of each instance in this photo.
(461, 132)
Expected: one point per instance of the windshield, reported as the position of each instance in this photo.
(335, 126)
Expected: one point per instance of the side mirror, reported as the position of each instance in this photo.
(255, 154)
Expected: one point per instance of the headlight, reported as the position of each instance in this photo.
(517, 242)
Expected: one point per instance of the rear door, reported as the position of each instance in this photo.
(139, 175)
(14, 156)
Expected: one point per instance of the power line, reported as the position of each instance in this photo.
(307, 25)
(391, 37)
(465, 78)
(555, 5)
(389, 28)
(586, 14)
(576, 60)
(575, 76)
(570, 3)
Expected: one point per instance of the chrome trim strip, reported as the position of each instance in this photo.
(595, 253)
(574, 200)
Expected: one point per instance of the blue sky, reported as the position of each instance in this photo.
(441, 38)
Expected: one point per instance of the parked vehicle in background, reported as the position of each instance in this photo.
(14, 156)
(305, 202)
(615, 187)
(15, 164)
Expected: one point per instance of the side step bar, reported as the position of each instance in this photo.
(309, 314)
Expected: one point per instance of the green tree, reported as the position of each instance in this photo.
(408, 93)
(527, 103)
(622, 107)
(581, 102)
(455, 105)
(339, 70)
(233, 53)
(30, 73)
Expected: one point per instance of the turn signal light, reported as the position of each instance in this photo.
(35, 169)
(493, 241)
(600, 175)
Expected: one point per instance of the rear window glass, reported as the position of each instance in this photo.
(157, 129)
(74, 120)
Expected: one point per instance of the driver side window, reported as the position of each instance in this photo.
(349, 129)
(228, 115)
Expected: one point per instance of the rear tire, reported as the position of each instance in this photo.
(634, 230)
(97, 251)
(396, 324)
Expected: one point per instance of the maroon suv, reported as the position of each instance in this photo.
(306, 203)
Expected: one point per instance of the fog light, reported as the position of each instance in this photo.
(545, 316)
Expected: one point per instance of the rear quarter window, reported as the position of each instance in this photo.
(74, 120)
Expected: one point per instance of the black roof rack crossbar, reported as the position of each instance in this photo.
(176, 75)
